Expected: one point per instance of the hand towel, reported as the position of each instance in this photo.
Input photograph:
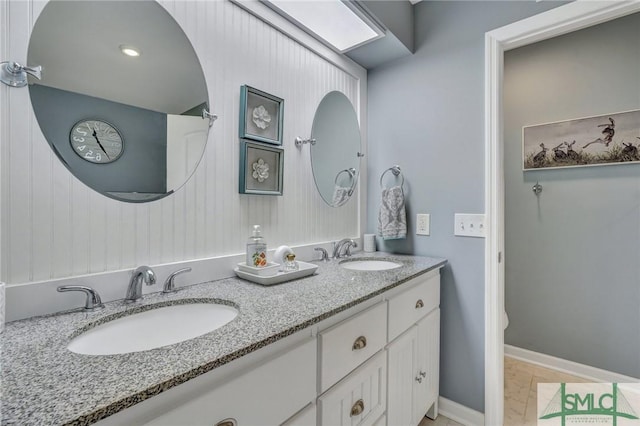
(341, 195)
(392, 219)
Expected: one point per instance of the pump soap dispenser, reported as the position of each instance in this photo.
(257, 249)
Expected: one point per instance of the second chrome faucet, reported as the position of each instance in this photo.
(134, 291)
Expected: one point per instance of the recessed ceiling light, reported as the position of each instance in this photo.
(130, 50)
(341, 24)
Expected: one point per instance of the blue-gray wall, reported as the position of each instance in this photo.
(426, 113)
(573, 254)
(143, 164)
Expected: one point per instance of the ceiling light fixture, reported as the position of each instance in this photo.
(344, 25)
(130, 50)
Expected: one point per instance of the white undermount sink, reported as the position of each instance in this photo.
(153, 328)
(369, 265)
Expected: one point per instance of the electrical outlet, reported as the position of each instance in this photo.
(422, 224)
(469, 225)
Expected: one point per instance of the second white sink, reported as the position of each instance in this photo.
(369, 265)
(153, 329)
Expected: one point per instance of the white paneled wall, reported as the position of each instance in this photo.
(55, 226)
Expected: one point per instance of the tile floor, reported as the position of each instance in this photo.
(520, 390)
(439, 421)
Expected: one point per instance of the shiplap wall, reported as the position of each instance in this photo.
(54, 226)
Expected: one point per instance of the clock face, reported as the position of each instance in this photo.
(96, 141)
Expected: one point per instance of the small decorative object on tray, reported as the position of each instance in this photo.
(270, 269)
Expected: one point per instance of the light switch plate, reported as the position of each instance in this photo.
(469, 225)
(422, 223)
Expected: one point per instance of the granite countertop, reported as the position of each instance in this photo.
(43, 383)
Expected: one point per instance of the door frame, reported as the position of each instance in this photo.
(562, 20)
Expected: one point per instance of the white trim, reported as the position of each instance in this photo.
(459, 413)
(565, 366)
(564, 19)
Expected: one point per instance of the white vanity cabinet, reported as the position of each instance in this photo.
(414, 356)
(375, 364)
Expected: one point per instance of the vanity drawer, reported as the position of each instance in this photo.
(408, 307)
(360, 399)
(348, 344)
(267, 395)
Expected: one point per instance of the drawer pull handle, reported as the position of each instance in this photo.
(419, 304)
(227, 422)
(357, 408)
(360, 343)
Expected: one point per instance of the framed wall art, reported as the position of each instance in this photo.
(591, 141)
(261, 168)
(261, 116)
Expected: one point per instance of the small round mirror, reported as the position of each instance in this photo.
(122, 96)
(335, 155)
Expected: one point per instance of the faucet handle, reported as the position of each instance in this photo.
(169, 285)
(324, 255)
(92, 301)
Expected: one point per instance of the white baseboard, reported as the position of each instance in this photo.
(565, 366)
(460, 413)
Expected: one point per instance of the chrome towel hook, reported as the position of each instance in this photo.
(15, 75)
(537, 188)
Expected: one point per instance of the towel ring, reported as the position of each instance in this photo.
(351, 171)
(396, 172)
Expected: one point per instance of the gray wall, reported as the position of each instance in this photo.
(143, 164)
(572, 256)
(426, 113)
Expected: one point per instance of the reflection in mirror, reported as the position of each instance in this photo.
(122, 96)
(335, 155)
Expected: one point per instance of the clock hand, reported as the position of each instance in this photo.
(95, 135)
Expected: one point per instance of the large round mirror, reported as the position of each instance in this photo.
(122, 96)
(335, 156)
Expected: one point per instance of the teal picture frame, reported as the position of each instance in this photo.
(254, 179)
(261, 116)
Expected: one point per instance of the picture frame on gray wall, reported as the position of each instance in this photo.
(590, 141)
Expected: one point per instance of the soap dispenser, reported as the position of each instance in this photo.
(256, 249)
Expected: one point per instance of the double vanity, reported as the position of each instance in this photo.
(354, 344)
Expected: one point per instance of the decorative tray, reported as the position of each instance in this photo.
(304, 270)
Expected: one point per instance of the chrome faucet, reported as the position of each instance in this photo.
(343, 248)
(134, 291)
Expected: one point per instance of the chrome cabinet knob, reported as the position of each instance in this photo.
(418, 379)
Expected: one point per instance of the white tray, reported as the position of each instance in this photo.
(305, 270)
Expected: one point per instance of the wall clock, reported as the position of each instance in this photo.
(96, 141)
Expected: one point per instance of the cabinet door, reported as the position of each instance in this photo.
(428, 363)
(402, 355)
(360, 398)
